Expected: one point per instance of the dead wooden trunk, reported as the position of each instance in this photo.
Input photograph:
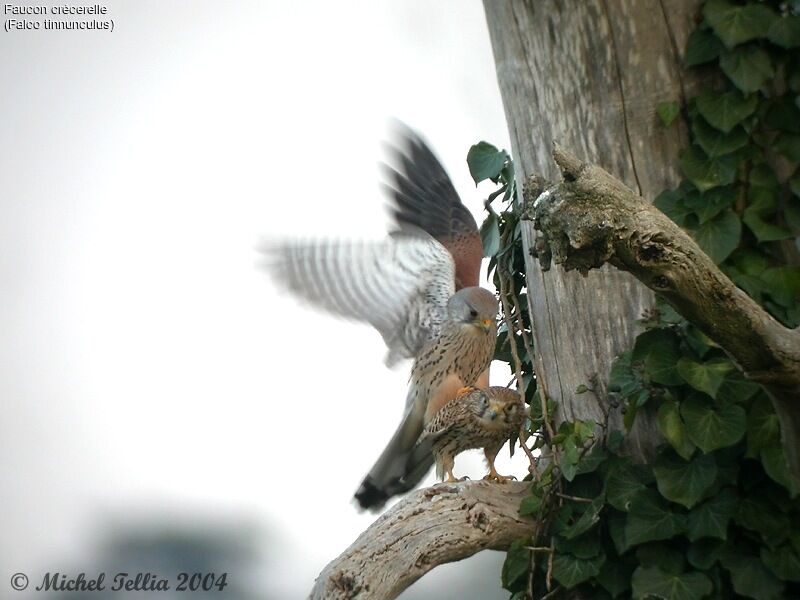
(592, 218)
(590, 75)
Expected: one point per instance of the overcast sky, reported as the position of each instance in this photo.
(146, 365)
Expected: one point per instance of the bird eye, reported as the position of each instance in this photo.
(473, 313)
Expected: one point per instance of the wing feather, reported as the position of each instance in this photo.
(422, 195)
(399, 285)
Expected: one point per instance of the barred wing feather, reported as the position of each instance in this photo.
(399, 285)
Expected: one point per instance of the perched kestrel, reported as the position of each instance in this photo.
(475, 419)
(418, 288)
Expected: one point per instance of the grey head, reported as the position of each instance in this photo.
(474, 306)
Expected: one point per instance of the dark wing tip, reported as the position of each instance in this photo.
(421, 194)
(369, 496)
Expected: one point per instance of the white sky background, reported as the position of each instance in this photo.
(145, 364)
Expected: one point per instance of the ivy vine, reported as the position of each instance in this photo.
(713, 515)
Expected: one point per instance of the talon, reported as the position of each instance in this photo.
(495, 476)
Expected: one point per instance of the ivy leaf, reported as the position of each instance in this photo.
(698, 341)
(490, 235)
(616, 529)
(702, 47)
(667, 112)
(709, 205)
(653, 582)
(569, 570)
(750, 261)
(589, 518)
(706, 377)
(670, 202)
(671, 427)
(762, 176)
(530, 505)
(783, 561)
(763, 426)
(684, 482)
(624, 482)
(623, 379)
(649, 519)
(709, 428)
(707, 172)
(714, 142)
(586, 546)
(485, 161)
(726, 111)
(659, 349)
(785, 31)
(783, 284)
(751, 578)
(762, 207)
(704, 553)
(735, 24)
(757, 514)
(592, 461)
(736, 388)
(516, 564)
(615, 577)
(774, 461)
(710, 519)
(718, 237)
(748, 67)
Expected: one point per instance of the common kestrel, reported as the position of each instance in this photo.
(418, 288)
(475, 419)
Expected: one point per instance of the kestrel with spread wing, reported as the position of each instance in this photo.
(418, 288)
(475, 419)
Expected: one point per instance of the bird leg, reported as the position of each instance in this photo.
(448, 462)
(493, 474)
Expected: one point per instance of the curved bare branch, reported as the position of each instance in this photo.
(429, 527)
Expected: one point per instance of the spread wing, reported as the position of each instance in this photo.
(399, 285)
(422, 195)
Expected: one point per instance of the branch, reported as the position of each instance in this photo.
(591, 218)
(429, 527)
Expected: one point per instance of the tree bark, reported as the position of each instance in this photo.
(590, 75)
(429, 527)
(592, 218)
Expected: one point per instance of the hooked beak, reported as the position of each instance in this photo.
(485, 324)
(494, 411)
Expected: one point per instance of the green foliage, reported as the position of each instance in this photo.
(713, 515)
(668, 112)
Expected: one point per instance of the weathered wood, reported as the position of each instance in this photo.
(430, 527)
(592, 218)
(590, 75)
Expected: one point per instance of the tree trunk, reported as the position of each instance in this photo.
(590, 75)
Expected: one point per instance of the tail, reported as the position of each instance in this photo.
(401, 466)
